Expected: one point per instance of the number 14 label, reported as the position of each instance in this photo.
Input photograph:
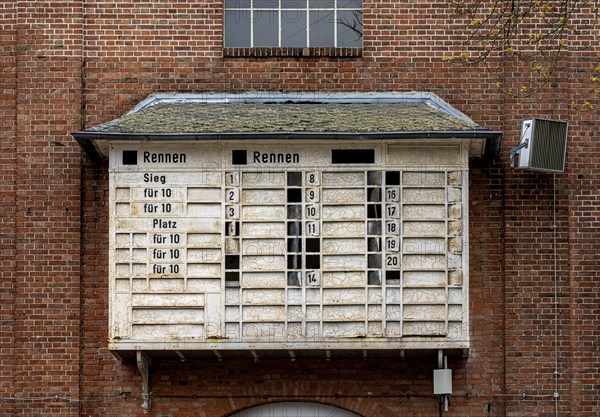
(313, 278)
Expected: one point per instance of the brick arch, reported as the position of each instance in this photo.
(294, 409)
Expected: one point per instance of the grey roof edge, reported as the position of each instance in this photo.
(431, 99)
(90, 140)
(87, 139)
(88, 144)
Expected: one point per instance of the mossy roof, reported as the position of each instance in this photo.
(189, 117)
(286, 116)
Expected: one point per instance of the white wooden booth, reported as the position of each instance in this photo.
(288, 238)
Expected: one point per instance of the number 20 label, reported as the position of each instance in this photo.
(392, 262)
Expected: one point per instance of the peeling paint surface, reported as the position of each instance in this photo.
(181, 117)
(288, 255)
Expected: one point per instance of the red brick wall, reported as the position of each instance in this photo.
(8, 90)
(41, 183)
(63, 68)
(582, 209)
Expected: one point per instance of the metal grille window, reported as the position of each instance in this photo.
(293, 23)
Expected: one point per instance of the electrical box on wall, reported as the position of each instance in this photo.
(543, 145)
(442, 381)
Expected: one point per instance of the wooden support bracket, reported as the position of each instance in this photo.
(143, 364)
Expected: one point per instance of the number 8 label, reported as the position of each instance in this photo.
(313, 178)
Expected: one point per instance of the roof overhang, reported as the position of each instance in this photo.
(290, 117)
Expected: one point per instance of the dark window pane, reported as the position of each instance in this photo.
(294, 245)
(392, 277)
(294, 195)
(294, 179)
(232, 279)
(294, 211)
(352, 156)
(374, 261)
(313, 245)
(313, 261)
(354, 4)
(236, 4)
(321, 28)
(294, 261)
(293, 29)
(294, 228)
(232, 262)
(374, 178)
(293, 4)
(374, 244)
(392, 178)
(266, 27)
(237, 29)
(374, 278)
(129, 157)
(294, 278)
(374, 194)
(266, 4)
(374, 228)
(349, 29)
(321, 4)
(374, 211)
(239, 157)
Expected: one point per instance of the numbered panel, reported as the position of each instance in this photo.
(296, 246)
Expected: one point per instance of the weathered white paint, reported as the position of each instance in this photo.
(343, 179)
(423, 211)
(345, 279)
(178, 229)
(343, 229)
(423, 179)
(424, 156)
(263, 212)
(344, 213)
(344, 246)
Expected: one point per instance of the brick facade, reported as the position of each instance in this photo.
(69, 65)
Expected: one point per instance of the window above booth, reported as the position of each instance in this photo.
(293, 23)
